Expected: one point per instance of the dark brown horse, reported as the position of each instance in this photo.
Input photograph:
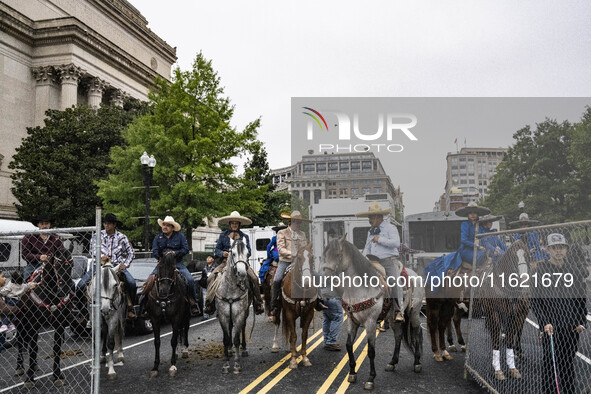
(168, 298)
(298, 300)
(506, 306)
(267, 294)
(48, 305)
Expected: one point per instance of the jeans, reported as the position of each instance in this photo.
(391, 267)
(280, 273)
(180, 266)
(6, 320)
(333, 319)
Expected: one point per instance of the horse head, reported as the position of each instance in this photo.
(165, 278)
(109, 288)
(57, 270)
(334, 255)
(237, 259)
(304, 261)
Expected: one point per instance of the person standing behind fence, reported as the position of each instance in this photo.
(37, 248)
(561, 313)
(210, 266)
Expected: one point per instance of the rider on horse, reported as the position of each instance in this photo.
(534, 243)
(222, 250)
(272, 252)
(492, 243)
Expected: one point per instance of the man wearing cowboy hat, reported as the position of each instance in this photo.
(534, 243)
(171, 241)
(560, 308)
(37, 248)
(117, 250)
(382, 246)
(222, 250)
(272, 252)
(492, 243)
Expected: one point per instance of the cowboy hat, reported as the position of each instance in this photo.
(235, 217)
(374, 209)
(170, 220)
(279, 227)
(43, 217)
(295, 215)
(473, 207)
(111, 218)
(489, 218)
(556, 239)
(524, 221)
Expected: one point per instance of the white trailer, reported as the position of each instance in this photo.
(259, 237)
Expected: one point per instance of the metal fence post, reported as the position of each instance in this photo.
(471, 306)
(96, 327)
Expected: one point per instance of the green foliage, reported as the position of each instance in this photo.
(547, 168)
(190, 135)
(57, 164)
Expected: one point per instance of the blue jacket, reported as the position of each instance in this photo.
(534, 245)
(177, 242)
(492, 242)
(224, 243)
(272, 252)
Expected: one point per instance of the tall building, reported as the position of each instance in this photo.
(342, 175)
(58, 53)
(469, 173)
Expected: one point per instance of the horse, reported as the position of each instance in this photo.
(48, 304)
(365, 304)
(232, 303)
(113, 306)
(298, 300)
(460, 308)
(267, 286)
(169, 298)
(506, 307)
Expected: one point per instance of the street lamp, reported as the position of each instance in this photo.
(148, 164)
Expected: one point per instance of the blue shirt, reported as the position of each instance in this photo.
(225, 243)
(272, 252)
(388, 241)
(177, 243)
(534, 245)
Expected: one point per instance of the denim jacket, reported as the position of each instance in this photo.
(177, 242)
(224, 243)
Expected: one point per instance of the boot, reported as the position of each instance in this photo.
(143, 312)
(194, 307)
(130, 312)
(275, 299)
(320, 305)
(257, 299)
(398, 316)
(209, 308)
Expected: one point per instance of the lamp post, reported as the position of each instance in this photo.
(148, 164)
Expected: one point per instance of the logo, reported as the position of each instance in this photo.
(315, 118)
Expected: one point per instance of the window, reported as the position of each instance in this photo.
(307, 196)
(295, 193)
(377, 189)
(321, 168)
(317, 195)
(332, 193)
(360, 237)
(261, 244)
(344, 166)
(5, 251)
(366, 190)
(355, 166)
(333, 167)
(308, 168)
(366, 166)
(344, 193)
(355, 192)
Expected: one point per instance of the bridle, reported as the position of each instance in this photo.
(116, 294)
(160, 280)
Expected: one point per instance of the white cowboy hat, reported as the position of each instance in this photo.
(472, 207)
(489, 218)
(374, 209)
(295, 215)
(235, 217)
(524, 221)
(170, 220)
(556, 239)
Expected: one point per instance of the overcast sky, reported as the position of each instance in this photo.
(269, 51)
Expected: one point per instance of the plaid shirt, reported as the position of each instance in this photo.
(115, 246)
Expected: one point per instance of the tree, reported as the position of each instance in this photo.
(190, 135)
(580, 159)
(57, 164)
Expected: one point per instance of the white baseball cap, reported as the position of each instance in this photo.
(556, 239)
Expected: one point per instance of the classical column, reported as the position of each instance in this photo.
(70, 75)
(96, 88)
(118, 97)
(46, 78)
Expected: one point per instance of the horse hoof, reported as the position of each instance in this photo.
(225, 369)
(244, 353)
(352, 378)
(270, 319)
(463, 348)
(447, 356)
(237, 370)
(185, 353)
(515, 374)
(121, 359)
(274, 349)
(452, 348)
(19, 372)
(29, 385)
(58, 383)
(499, 375)
(153, 374)
(438, 358)
(306, 362)
(172, 371)
(293, 364)
(390, 368)
(112, 376)
(368, 386)
(103, 360)
(418, 368)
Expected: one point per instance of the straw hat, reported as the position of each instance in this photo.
(524, 221)
(235, 217)
(374, 209)
(170, 220)
(280, 226)
(473, 207)
(489, 218)
(295, 215)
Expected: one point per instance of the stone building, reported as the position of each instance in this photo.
(58, 53)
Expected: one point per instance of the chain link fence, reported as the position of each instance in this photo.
(529, 320)
(42, 307)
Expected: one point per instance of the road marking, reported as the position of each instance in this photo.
(87, 361)
(287, 370)
(345, 385)
(279, 363)
(328, 382)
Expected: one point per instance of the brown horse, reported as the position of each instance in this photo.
(506, 306)
(298, 301)
(267, 286)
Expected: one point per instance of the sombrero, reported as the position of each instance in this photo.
(235, 217)
(489, 218)
(295, 215)
(374, 209)
(473, 207)
(280, 226)
(170, 220)
(524, 221)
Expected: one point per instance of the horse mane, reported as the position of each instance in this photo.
(509, 260)
(359, 262)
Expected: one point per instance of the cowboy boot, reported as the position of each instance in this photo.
(130, 312)
(398, 316)
(144, 296)
(195, 311)
(275, 299)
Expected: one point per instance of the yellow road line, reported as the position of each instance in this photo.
(345, 385)
(268, 372)
(328, 382)
(287, 370)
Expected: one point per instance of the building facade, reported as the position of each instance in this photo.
(58, 53)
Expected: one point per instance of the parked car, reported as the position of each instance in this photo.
(140, 269)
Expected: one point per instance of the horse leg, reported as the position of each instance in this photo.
(109, 345)
(185, 338)
(156, 328)
(458, 326)
(513, 326)
(371, 353)
(351, 335)
(493, 323)
(444, 321)
(20, 369)
(33, 350)
(243, 351)
(397, 328)
(305, 324)
(290, 320)
(275, 347)
(521, 315)
(58, 378)
(239, 330)
(433, 312)
(224, 323)
(417, 339)
(173, 344)
(450, 338)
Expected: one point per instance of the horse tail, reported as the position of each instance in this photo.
(284, 326)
